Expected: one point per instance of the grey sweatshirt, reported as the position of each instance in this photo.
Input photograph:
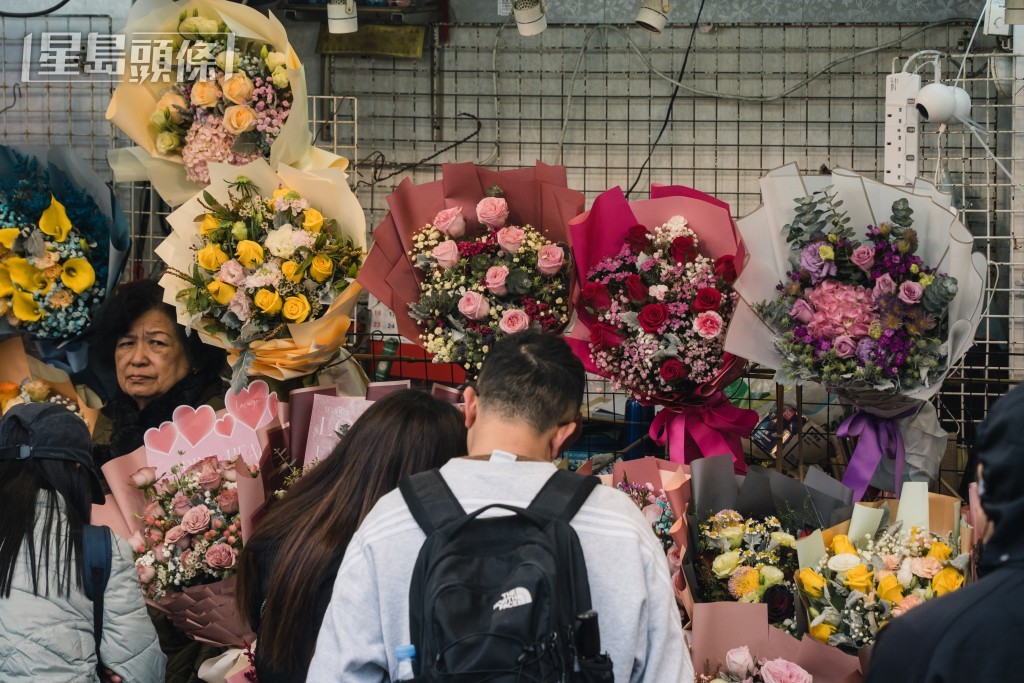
(368, 617)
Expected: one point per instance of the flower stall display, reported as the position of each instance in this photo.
(655, 301)
(871, 290)
(477, 255)
(62, 247)
(228, 89)
(263, 264)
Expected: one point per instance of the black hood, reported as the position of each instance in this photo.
(1001, 453)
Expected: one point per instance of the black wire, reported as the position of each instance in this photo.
(37, 13)
(671, 102)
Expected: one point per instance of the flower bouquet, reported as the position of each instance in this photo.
(655, 301)
(655, 506)
(879, 297)
(62, 251)
(24, 379)
(462, 269)
(741, 667)
(227, 88)
(263, 264)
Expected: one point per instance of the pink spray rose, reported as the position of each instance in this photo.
(474, 306)
(177, 535)
(550, 259)
(180, 504)
(738, 661)
(884, 286)
(146, 574)
(231, 272)
(228, 501)
(801, 311)
(446, 253)
(906, 604)
(494, 280)
(891, 562)
(845, 346)
(781, 671)
(910, 292)
(196, 520)
(492, 211)
(708, 324)
(925, 567)
(221, 556)
(209, 478)
(510, 239)
(863, 257)
(143, 477)
(513, 320)
(451, 222)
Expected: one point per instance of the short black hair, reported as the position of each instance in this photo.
(534, 377)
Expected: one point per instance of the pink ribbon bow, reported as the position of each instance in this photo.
(712, 428)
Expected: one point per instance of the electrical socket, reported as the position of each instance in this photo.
(902, 126)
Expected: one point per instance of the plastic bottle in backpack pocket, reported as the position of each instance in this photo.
(406, 656)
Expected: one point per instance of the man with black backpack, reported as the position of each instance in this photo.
(498, 567)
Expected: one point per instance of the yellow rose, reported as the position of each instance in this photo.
(889, 588)
(221, 292)
(296, 308)
(205, 94)
(859, 579)
(239, 119)
(947, 581)
(268, 301)
(823, 632)
(209, 225)
(78, 275)
(54, 221)
(7, 237)
(249, 253)
(940, 551)
(211, 257)
(725, 564)
(321, 268)
(290, 271)
(826, 252)
(841, 544)
(25, 275)
(811, 582)
(312, 220)
(237, 87)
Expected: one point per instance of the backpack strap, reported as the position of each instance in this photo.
(562, 495)
(431, 503)
(96, 551)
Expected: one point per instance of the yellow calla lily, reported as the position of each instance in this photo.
(25, 275)
(54, 221)
(25, 307)
(6, 286)
(7, 237)
(78, 275)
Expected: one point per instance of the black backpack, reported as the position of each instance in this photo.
(96, 559)
(497, 599)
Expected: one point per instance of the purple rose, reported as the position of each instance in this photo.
(910, 292)
(866, 349)
(801, 311)
(817, 267)
(845, 346)
(884, 286)
(863, 257)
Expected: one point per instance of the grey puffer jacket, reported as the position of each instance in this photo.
(50, 638)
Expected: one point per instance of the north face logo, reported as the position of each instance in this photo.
(513, 598)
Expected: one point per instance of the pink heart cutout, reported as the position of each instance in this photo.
(194, 424)
(161, 439)
(249, 404)
(225, 425)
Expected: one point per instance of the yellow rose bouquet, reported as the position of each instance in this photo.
(264, 265)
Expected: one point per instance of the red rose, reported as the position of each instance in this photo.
(636, 288)
(673, 370)
(708, 299)
(638, 239)
(652, 317)
(725, 268)
(604, 336)
(684, 249)
(595, 296)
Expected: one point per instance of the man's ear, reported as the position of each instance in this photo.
(472, 404)
(563, 438)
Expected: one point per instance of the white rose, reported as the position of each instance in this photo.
(738, 661)
(275, 59)
(280, 78)
(771, 576)
(843, 562)
(167, 143)
(198, 26)
(903, 574)
(281, 242)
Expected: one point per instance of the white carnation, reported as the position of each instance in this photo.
(281, 242)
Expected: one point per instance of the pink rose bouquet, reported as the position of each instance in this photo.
(741, 667)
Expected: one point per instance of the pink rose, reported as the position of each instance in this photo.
(180, 504)
(227, 470)
(891, 562)
(196, 520)
(801, 311)
(451, 222)
(492, 211)
(738, 661)
(161, 553)
(228, 501)
(906, 604)
(550, 259)
(143, 477)
(177, 535)
(185, 557)
(494, 280)
(925, 567)
(221, 556)
(781, 671)
(510, 239)
(708, 324)
(209, 478)
(154, 511)
(513, 320)
(446, 253)
(910, 292)
(146, 574)
(884, 286)
(845, 346)
(155, 535)
(863, 257)
(231, 272)
(474, 306)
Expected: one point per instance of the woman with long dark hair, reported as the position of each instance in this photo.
(288, 566)
(47, 487)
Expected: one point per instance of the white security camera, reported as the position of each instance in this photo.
(940, 103)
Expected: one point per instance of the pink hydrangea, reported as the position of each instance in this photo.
(840, 309)
(207, 141)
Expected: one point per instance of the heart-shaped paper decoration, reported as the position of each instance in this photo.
(225, 425)
(249, 405)
(194, 423)
(161, 439)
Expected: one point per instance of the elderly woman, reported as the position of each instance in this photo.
(158, 367)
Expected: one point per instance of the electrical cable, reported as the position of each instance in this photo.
(37, 13)
(967, 52)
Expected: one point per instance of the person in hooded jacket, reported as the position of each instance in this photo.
(47, 487)
(973, 634)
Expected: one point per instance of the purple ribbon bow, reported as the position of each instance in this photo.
(877, 436)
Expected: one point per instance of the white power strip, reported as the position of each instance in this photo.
(902, 125)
